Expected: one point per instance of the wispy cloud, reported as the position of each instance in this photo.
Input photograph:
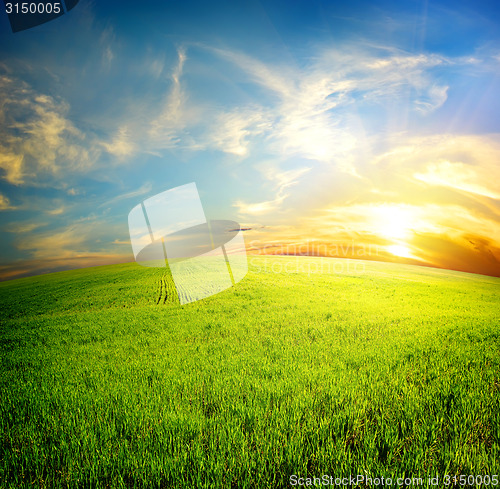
(234, 131)
(308, 114)
(121, 144)
(308, 117)
(282, 180)
(142, 190)
(27, 268)
(460, 176)
(57, 211)
(85, 242)
(56, 244)
(155, 126)
(173, 114)
(106, 40)
(24, 227)
(5, 203)
(462, 163)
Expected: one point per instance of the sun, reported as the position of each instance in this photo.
(393, 222)
(399, 250)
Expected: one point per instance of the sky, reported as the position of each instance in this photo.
(361, 129)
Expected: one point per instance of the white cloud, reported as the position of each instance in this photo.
(121, 145)
(436, 97)
(259, 208)
(173, 114)
(142, 190)
(459, 176)
(233, 130)
(307, 117)
(107, 41)
(464, 163)
(282, 180)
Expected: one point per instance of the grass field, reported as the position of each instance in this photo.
(308, 366)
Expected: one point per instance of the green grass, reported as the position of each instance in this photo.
(337, 367)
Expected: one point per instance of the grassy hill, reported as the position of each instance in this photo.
(308, 366)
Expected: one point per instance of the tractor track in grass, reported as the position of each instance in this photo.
(167, 292)
(161, 290)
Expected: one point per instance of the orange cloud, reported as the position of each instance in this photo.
(444, 236)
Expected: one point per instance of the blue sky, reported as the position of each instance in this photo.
(372, 123)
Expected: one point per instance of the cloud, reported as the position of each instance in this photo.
(61, 244)
(311, 111)
(12, 164)
(40, 143)
(159, 124)
(82, 236)
(465, 164)
(121, 144)
(233, 131)
(459, 176)
(23, 227)
(84, 243)
(142, 190)
(307, 112)
(28, 268)
(37, 138)
(282, 181)
(258, 208)
(300, 132)
(431, 200)
(422, 230)
(471, 253)
(107, 41)
(394, 221)
(174, 114)
(436, 97)
(57, 211)
(5, 203)
(280, 80)
(445, 236)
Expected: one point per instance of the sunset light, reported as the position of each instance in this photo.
(393, 222)
(399, 250)
(367, 140)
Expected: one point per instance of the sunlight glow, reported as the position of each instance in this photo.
(399, 250)
(393, 222)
